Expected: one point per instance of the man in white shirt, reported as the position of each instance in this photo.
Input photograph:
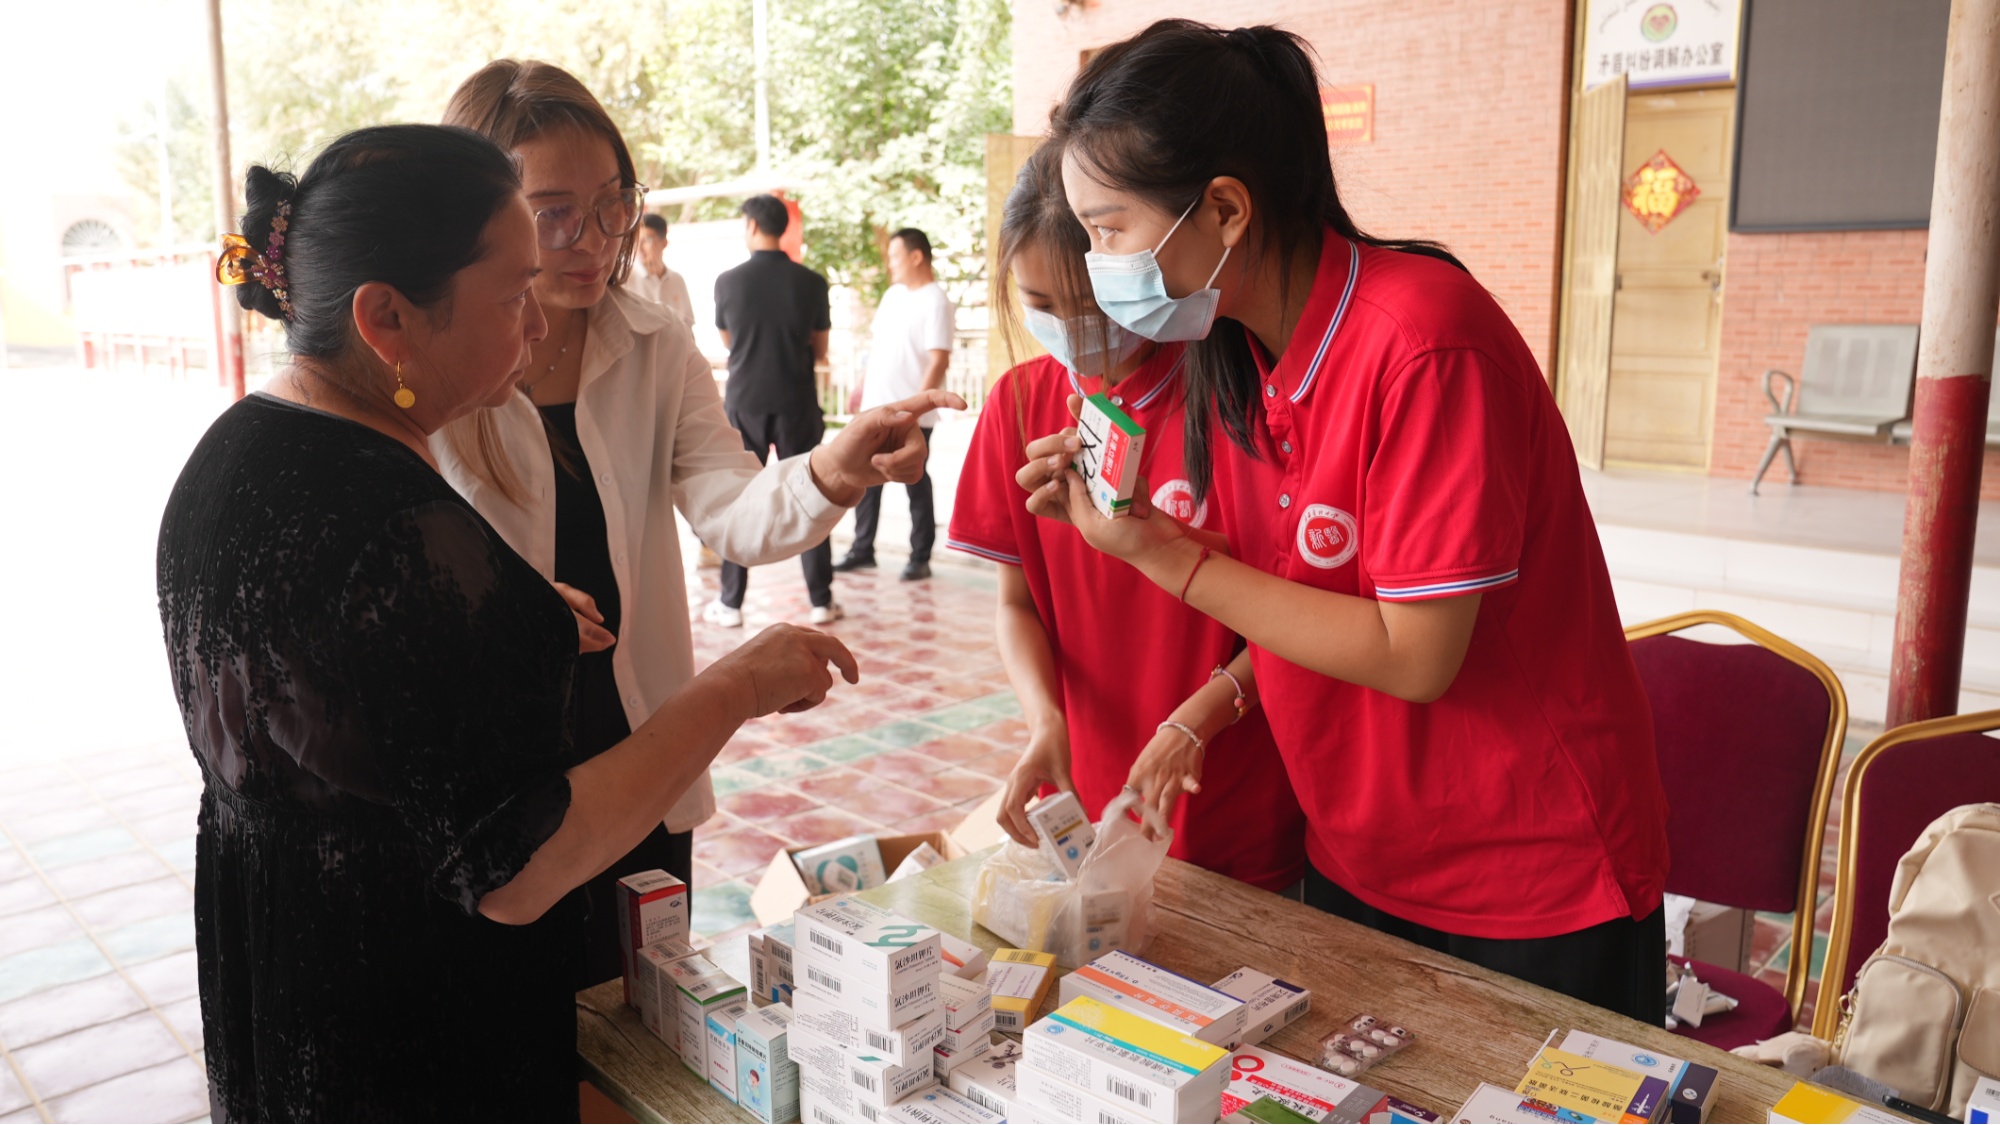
(909, 350)
(652, 279)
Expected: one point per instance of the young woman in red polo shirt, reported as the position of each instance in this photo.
(1409, 552)
(1120, 683)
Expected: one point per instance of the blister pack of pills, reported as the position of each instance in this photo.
(1362, 1042)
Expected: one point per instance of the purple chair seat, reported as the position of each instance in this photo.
(1761, 1011)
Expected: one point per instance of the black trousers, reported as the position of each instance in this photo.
(661, 850)
(923, 516)
(1620, 964)
(793, 434)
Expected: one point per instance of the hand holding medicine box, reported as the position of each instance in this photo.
(1109, 460)
(1167, 998)
(1064, 830)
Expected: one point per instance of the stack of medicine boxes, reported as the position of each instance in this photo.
(867, 1016)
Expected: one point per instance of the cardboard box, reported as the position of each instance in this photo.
(1150, 992)
(653, 906)
(940, 1107)
(1044, 1097)
(702, 988)
(841, 867)
(836, 1022)
(1064, 829)
(722, 1046)
(767, 1080)
(989, 1079)
(885, 1012)
(653, 991)
(1270, 1005)
(862, 942)
(1983, 1106)
(1315, 1094)
(965, 1001)
(783, 889)
(1147, 1069)
(1719, 935)
(1109, 460)
(1018, 981)
(977, 1033)
(771, 965)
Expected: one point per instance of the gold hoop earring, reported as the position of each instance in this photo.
(405, 397)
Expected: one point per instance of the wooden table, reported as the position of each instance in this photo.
(1472, 1025)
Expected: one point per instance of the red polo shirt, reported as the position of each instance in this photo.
(1409, 449)
(1126, 652)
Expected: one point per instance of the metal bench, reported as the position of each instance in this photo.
(1900, 434)
(1854, 386)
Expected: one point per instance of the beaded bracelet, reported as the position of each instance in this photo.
(1242, 700)
(1199, 745)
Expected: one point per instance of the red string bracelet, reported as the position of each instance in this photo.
(1202, 558)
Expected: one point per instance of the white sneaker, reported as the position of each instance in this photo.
(827, 614)
(725, 616)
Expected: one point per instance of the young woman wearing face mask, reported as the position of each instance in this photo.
(618, 425)
(1120, 684)
(1409, 551)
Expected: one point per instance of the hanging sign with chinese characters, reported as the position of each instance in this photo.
(1658, 191)
(1350, 113)
(1682, 43)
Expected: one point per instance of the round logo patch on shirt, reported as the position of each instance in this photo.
(1176, 498)
(1328, 537)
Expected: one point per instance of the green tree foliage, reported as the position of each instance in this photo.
(878, 107)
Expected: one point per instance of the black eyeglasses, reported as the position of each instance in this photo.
(559, 227)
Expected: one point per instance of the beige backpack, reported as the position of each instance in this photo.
(1924, 1013)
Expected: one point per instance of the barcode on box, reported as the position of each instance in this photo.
(1104, 1118)
(824, 942)
(1119, 1088)
(1297, 1010)
(866, 1110)
(879, 1041)
(825, 1118)
(822, 979)
(864, 1080)
(984, 1100)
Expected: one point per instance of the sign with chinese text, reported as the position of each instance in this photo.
(1683, 43)
(1350, 113)
(1658, 191)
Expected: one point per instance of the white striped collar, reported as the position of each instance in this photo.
(1169, 379)
(1333, 325)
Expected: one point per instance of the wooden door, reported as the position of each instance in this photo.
(1668, 308)
(1590, 258)
(1005, 154)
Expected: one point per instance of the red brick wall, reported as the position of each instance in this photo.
(1468, 142)
(1780, 285)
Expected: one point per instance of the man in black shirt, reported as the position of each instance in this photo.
(774, 317)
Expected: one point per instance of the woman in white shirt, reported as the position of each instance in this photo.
(618, 424)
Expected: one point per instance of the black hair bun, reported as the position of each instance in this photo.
(264, 191)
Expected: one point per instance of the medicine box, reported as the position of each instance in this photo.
(653, 991)
(1652, 1064)
(1109, 460)
(1044, 1097)
(1317, 1094)
(978, 1032)
(1496, 1105)
(878, 1082)
(842, 867)
(771, 964)
(782, 889)
(863, 942)
(940, 1107)
(944, 1059)
(965, 1001)
(1983, 1106)
(1104, 921)
(1265, 1111)
(962, 958)
(1587, 1086)
(1151, 992)
(836, 1022)
(877, 1009)
(990, 1079)
(1270, 1004)
(702, 988)
(1694, 1098)
(1064, 830)
(767, 1080)
(1811, 1105)
(722, 1046)
(652, 906)
(1129, 1060)
(1018, 980)
(920, 860)
(828, 1103)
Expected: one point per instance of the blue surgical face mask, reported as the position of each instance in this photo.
(1088, 345)
(1132, 291)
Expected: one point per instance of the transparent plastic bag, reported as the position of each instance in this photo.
(1021, 894)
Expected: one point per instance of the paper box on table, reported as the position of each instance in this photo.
(1109, 460)
(771, 964)
(1315, 1094)
(1148, 1070)
(1151, 992)
(937, 1106)
(652, 906)
(838, 1023)
(1018, 980)
(722, 1046)
(1045, 1097)
(767, 1080)
(783, 889)
(703, 988)
(653, 989)
(989, 1079)
(1270, 1004)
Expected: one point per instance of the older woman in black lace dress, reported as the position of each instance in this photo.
(374, 685)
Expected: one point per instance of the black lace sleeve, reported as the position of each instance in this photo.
(463, 656)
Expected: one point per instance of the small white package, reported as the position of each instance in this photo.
(944, 1060)
(922, 858)
(652, 906)
(836, 1022)
(722, 1047)
(877, 1010)
(962, 958)
(1109, 460)
(702, 988)
(972, 1035)
(1045, 1097)
(1983, 1106)
(1272, 1004)
(989, 1079)
(1064, 830)
(1148, 1070)
(1257, 1073)
(880, 1083)
(1165, 997)
(855, 939)
(767, 1080)
(653, 991)
(842, 867)
(771, 965)
(937, 1106)
(964, 1001)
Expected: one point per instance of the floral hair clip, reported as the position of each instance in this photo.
(239, 263)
